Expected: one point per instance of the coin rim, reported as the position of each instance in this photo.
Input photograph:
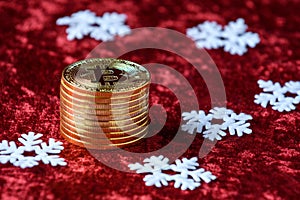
(103, 136)
(103, 106)
(114, 134)
(146, 113)
(110, 123)
(91, 115)
(113, 128)
(92, 101)
(83, 143)
(113, 97)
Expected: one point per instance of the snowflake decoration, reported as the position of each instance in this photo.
(9, 152)
(275, 95)
(103, 28)
(235, 123)
(187, 175)
(233, 38)
(207, 35)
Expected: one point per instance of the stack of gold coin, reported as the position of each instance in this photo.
(104, 103)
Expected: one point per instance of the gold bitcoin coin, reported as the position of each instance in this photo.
(102, 77)
(104, 103)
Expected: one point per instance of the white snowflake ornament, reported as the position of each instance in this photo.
(206, 35)
(236, 39)
(81, 17)
(233, 37)
(100, 34)
(220, 113)
(80, 24)
(9, 152)
(184, 164)
(113, 23)
(78, 31)
(293, 87)
(187, 175)
(276, 95)
(152, 164)
(157, 178)
(196, 121)
(183, 182)
(215, 132)
(103, 28)
(234, 123)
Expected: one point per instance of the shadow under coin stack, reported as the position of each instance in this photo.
(104, 103)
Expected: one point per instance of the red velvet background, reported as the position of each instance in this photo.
(34, 51)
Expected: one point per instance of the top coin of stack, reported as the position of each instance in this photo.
(104, 103)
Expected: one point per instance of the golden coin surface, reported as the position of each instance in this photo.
(106, 76)
(106, 129)
(102, 124)
(97, 112)
(103, 138)
(83, 117)
(95, 145)
(108, 133)
(92, 114)
(106, 95)
(83, 101)
(103, 108)
(114, 96)
(93, 99)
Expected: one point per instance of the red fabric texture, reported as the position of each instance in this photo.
(34, 51)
